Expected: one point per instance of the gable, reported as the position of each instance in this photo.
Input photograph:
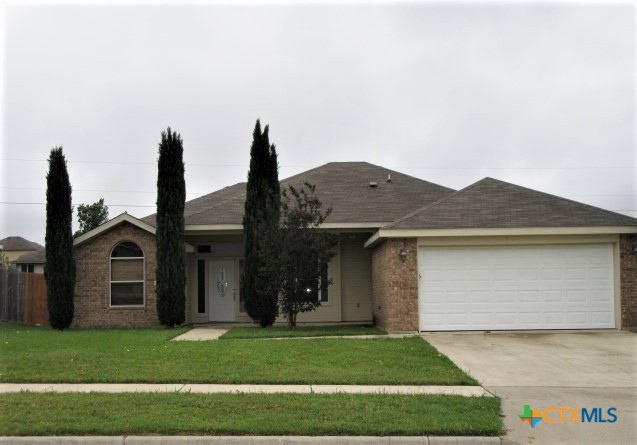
(490, 203)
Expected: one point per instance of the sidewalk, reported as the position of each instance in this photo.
(253, 440)
(469, 391)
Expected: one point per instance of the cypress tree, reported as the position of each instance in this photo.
(260, 280)
(59, 270)
(169, 237)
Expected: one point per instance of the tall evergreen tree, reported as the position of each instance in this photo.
(171, 197)
(260, 280)
(59, 270)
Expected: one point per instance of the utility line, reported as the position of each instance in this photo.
(74, 204)
(200, 193)
(197, 164)
(135, 205)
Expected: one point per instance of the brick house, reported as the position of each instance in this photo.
(412, 256)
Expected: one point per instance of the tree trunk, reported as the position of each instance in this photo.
(291, 321)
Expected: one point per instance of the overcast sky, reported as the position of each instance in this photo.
(538, 94)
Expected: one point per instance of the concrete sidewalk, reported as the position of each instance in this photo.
(252, 440)
(201, 334)
(213, 333)
(469, 391)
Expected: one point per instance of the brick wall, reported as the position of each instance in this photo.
(628, 280)
(395, 285)
(93, 281)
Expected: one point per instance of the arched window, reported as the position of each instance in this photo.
(127, 275)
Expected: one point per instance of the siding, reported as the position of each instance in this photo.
(356, 280)
(327, 312)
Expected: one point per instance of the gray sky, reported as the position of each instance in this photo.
(538, 94)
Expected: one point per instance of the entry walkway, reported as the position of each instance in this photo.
(468, 391)
(198, 334)
(213, 333)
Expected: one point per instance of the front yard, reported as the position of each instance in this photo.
(41, 355)
(301, 331)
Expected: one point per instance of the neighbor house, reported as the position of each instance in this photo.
(32, 262)
(14, 247)
(412, 256)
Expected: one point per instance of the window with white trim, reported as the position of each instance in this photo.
(127, 275)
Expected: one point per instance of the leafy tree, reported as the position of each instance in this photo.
(171, 197)
(4, 260)
(259, 283)
(59, 270)
(305, 252)
(91, 216)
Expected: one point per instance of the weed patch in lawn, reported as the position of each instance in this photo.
(42, 355)
(300, 331)
(241, 414)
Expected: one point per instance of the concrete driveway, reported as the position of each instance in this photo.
(573, 370)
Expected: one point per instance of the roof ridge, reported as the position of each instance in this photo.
(389, 170)
(198, 198)
(563, 199)
(216, 191)
(444, 198)
(235, 196)
(305, 172)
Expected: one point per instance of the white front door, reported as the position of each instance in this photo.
(223, 290)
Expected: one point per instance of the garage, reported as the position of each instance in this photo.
(516, 287)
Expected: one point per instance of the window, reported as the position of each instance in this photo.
(28, 268)
(127, 275)
(242, 301)
(323, 293)
(201, 286)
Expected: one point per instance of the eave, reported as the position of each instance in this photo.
(513, 231)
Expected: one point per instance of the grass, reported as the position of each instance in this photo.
(42, 355)
(255, 414)
(301, 331)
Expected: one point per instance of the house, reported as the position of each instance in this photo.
(412, 256)
(32, 262)
(15, 246)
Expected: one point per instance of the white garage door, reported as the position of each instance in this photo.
(518, 287)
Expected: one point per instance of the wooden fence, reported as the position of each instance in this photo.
(23, 297)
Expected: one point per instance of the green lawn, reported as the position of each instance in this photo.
(254, 414)
(30, 354)
(301, 331)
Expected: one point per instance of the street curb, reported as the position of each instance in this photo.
(252, 440)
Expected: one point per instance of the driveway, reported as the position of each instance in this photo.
(575, 370)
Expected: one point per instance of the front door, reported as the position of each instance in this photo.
(223, 290)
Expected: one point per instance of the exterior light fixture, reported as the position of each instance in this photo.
(402, 254)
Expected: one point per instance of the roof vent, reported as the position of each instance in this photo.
(373, 184)
(388, 177)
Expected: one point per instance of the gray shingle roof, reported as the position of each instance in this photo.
(35, 257)
(12, 243)
(344, 186)
(490, 203)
